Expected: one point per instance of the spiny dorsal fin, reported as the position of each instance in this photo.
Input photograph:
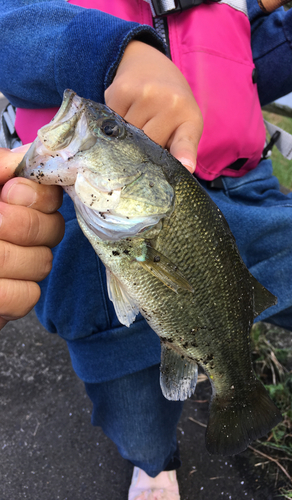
(178, 375)
(166, 271)
(262, 297)
(125, 306)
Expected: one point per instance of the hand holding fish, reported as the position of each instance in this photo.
(151, 93)
(30, 226)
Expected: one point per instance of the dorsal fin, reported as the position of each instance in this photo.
(262, 297)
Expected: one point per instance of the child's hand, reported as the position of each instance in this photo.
(271, 5)
(29, 227)
(150, 92)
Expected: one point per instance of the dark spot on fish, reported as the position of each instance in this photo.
(208, 358)
(182, 356)
(126, 252)
(110, 193)
(186, 344)
(151, 184)
(156, 258)
(32, 174)
(115, 253)
(194, 343)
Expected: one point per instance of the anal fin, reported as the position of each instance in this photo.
(178, 375)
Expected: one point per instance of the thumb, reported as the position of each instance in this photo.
(183, 144)
(9, 159)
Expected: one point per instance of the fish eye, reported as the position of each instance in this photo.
(112, 128)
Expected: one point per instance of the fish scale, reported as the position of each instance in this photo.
(169, 254)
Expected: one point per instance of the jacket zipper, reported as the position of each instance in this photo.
(161, 27)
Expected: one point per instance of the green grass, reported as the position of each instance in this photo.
(270, 364)
(282, 167)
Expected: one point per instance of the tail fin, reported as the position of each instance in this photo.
(234, 424)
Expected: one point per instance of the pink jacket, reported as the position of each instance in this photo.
(210, 44)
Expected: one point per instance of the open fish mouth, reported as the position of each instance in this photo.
(109, 225)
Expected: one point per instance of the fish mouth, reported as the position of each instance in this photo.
(109, 225)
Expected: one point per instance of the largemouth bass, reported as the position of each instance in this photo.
(169, 253)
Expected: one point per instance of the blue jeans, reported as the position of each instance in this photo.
(135, 415)
(131, 410)
(260, 217)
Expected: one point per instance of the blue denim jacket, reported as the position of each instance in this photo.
(38, 59)
(37, 62)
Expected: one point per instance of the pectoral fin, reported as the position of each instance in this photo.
(178, 375)
(125, 306)
(166, 271)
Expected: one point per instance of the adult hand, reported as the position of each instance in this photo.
(150, 92)
(29, 227)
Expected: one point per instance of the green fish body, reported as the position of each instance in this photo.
(169, 253)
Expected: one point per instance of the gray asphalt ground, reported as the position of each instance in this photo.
(50, 451)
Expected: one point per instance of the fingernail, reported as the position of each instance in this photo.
(188, 164)
(20, 149)
(21, 194)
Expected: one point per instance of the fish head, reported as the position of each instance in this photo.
(105, 164)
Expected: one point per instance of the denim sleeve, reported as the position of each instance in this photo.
(271, 40)
(48, 46)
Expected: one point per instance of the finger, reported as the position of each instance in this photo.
(9, 159)
(28, 227)
(24, 263)
(20, 191)
(3, 322)
(183, 145)
(118, 101)
(17, 298)
(160, 129)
